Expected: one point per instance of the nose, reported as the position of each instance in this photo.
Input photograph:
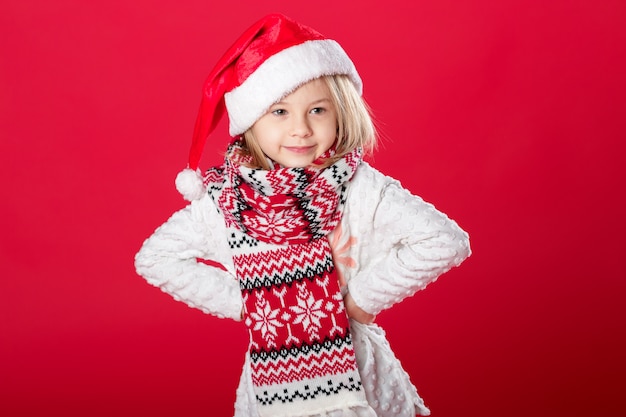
(300, 127)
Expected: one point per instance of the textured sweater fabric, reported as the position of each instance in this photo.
(388, 245)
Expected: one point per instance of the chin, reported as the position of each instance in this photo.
(296, 164)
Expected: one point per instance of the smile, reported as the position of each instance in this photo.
(299, 149)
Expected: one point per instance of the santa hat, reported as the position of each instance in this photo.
(271, 59)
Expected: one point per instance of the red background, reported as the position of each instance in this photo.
(508, 115)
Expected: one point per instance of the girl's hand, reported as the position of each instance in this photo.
(355, 312)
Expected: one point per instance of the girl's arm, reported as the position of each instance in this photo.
(411, 243)
(169, 260)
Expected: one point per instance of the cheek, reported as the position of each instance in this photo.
(331, 130)
(263, 134)
(265, 144)
(327, 127)
(329, 138)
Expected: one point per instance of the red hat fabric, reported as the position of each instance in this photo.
(271, 59)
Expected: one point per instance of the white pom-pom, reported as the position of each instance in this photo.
(189, 184)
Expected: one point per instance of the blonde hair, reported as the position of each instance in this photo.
(355, 127)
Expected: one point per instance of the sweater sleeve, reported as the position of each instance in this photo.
(411, 245)
(169, 260)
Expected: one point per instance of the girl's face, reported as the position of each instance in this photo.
(299, 128)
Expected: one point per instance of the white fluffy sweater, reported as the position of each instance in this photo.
(389, 245)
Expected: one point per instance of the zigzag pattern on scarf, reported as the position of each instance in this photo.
(282, 182)
(283, 265)
(328, 344)
(302, 367)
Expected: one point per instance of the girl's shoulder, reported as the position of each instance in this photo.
(366, 191)
(372, 193)
(371, 179)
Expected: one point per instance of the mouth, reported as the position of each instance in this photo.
(299, 149)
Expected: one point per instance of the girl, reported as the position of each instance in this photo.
(313, 241)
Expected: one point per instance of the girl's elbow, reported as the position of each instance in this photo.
(462, 248)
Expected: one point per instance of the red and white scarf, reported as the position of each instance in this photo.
(301, 352)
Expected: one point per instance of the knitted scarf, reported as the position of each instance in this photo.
(301, 352)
